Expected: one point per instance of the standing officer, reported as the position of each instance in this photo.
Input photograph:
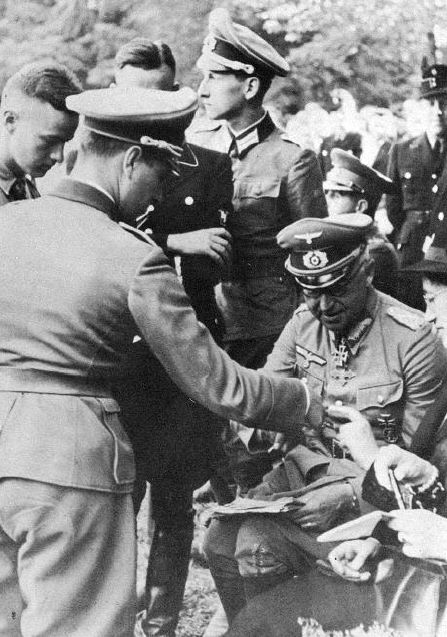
(179, 453)
(354, 347)
(415, 166)
(34, 126)
(275, 182)
(70, 309)
(352, 187)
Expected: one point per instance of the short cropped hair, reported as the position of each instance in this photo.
(145, 54)
(47, 81)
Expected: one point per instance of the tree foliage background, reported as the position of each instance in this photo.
(372, 47)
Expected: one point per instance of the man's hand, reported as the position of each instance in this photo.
(355, 434)
(408, 468)
(211, 242)
(322, 507)
(348, 558)
(422, 533)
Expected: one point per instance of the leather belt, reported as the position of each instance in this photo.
(15, 379)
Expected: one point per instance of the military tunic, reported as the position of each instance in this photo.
(71, 304)
(394, 365)
(275, 183)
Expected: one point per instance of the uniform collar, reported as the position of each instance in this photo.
(246, 139)
(90, 194)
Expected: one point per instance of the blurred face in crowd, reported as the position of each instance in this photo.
(435, 297)
(162, 78)
(436, 116)
(35, 134)
(341, 202)
(340, 306)
(223, 94)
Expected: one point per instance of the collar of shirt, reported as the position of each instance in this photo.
(250, 136)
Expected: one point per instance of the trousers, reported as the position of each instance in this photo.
(67, 561)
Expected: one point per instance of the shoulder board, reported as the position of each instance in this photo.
(405, 317)
(139, 234)
(301, 308)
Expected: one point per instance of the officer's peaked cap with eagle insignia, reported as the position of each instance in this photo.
(322, 251)
(232, 47)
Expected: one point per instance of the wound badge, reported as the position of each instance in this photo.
(315, 259)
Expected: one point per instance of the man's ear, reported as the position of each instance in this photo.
(362, 206)
(9, 119)
(130, 159)
(252, 86)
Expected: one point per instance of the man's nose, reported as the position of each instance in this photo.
(430, 316)
(326, 301)
(203, 88)
(57, 153)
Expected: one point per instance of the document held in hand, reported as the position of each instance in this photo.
(244, 506)
(360, 527)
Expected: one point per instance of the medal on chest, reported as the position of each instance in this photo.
(340, 359)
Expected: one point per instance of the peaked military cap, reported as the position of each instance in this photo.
(435, 259)
(322, 251)
(350, 175)
(147, 117)
(434, 80)
(234, 47)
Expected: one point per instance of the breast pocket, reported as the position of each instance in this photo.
(382, 406)
(123, 464)
(257, 200)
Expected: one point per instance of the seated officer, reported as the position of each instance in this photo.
(351, 186)
(354, 347)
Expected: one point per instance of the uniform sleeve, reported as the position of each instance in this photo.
(305, 188)
(166, 320)
(424, 365)
(394, 202)
(282, 359)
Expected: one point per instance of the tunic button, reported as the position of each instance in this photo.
(407, 175)
(434, 176)
(189, 201)
(435, 188)
(150, 208)
(441, 216)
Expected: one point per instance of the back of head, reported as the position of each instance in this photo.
(49, 82)
(145, 54)
(147, 64)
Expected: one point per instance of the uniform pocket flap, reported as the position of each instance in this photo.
(257, 189)
(379, 395)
